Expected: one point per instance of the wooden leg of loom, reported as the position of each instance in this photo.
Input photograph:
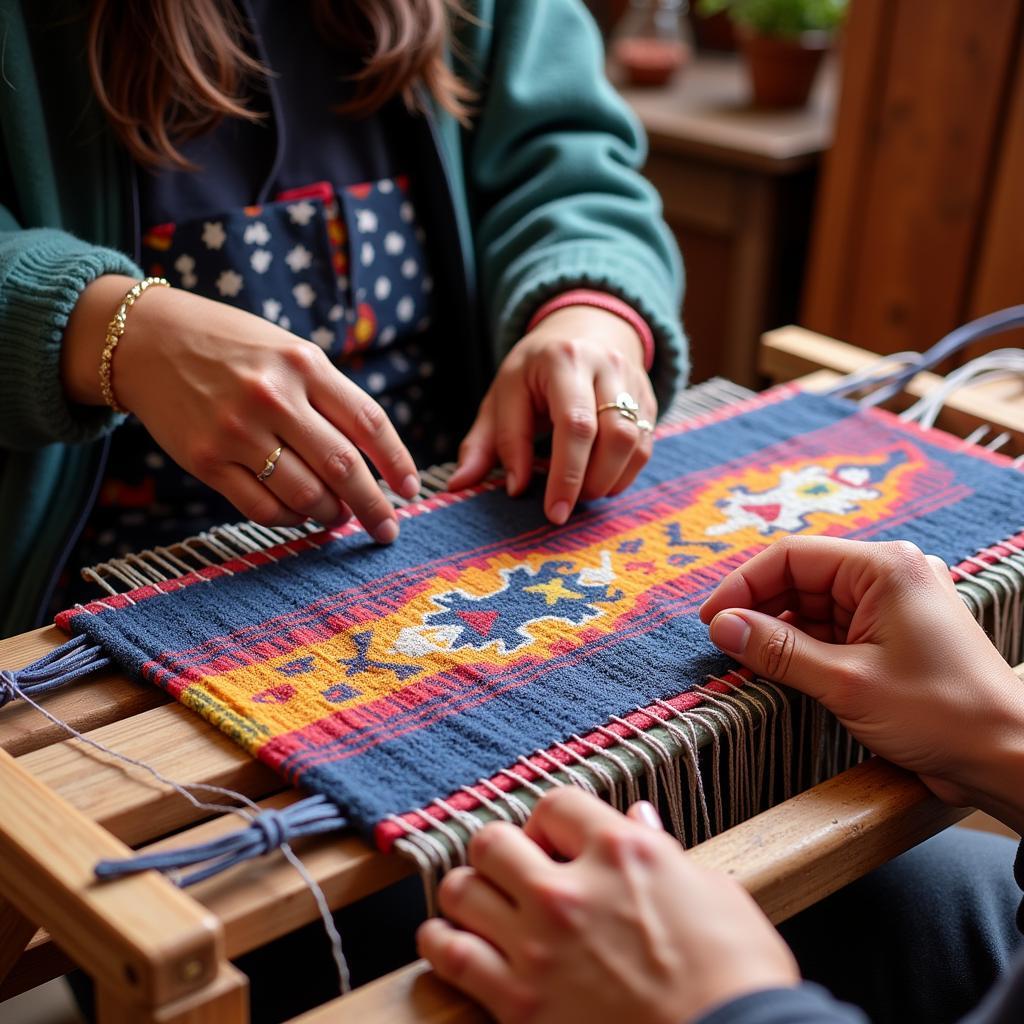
(16, 931)
(225, 1000)
(139, 936)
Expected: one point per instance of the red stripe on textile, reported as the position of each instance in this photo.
(386, 832)
(940, 438)
(65, 619)
(380, 721)
(630, 510)
(234, 566)
(991, 556)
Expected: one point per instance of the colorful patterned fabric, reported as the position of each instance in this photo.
(386, 678)
(346, 269)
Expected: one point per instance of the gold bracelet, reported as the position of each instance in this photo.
(114, 331)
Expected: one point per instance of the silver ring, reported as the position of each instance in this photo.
(269, 466)
(646, 426)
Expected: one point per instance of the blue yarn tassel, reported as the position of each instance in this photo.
(62, 665)
(269, 830)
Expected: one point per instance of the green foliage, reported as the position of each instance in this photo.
(780, 17)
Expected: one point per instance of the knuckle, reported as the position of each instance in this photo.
(374, 508)
(777, 652)
(341, 464)
(520, 1006)
(558, 899)
(454, 956)
(573, 477)
(453, 888)
(622, 844)
(791, 544)
(579, 423)
(565, 349)
(303, 358)
(613, 358)
(371, 420)
(260, 510)
(791, 541)
(231, 425)
(203, 457)
(537, 956)
(907, 560)
(306, 497)
(264, 391)
(484, 841)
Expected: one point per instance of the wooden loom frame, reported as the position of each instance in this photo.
(160, 955)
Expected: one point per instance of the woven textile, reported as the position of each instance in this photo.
(386, 678)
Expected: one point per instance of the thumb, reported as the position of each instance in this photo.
(477, 454)
(775, 649)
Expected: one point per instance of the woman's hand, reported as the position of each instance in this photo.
(878, 634)
(220, 389)
(628, 928)
(556, 377)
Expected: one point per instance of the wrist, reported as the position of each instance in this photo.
(584, 299)
(992, 778)
(85, 337)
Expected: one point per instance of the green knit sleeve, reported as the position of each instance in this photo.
(558, 200)
(42, 273)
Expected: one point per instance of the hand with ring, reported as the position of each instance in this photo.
(257, 413)
(580, 373)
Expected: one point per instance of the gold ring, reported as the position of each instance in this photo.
(269, 466)
(625, 404)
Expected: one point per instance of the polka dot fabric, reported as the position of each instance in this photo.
(345, 269)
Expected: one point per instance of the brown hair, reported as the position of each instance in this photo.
(169, 70)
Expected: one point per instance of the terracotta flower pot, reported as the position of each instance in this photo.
(782, 68)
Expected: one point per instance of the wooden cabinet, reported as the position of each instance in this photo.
(738, 187)
(920, 224)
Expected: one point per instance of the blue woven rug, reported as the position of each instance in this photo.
(386, 678)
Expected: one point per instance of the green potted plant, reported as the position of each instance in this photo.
(783, 42)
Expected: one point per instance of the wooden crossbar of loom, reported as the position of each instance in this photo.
(162, 955)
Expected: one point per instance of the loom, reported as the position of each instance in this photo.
(708, 744)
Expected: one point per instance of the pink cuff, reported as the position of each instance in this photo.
(610, 304)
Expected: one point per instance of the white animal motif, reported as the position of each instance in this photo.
(800, 493)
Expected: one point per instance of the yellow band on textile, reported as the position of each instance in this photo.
(114, 331)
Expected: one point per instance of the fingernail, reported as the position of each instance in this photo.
(410, 486)
(560, 512)
(648, 815)
(730, 632)
(385, 532)
(511, 483)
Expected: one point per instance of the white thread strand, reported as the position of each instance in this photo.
(184, 790)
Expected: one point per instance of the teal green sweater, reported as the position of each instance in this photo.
(547, 197)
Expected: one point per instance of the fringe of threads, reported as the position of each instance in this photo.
(748, 745)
